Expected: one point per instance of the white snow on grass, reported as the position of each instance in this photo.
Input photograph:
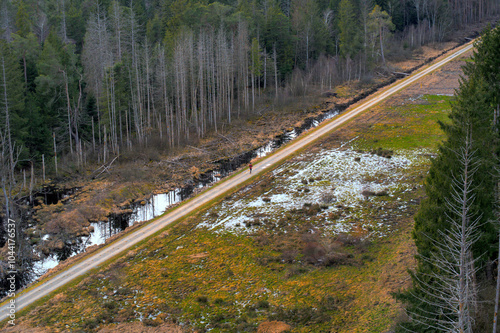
(342, 174)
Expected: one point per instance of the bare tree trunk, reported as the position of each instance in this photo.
(381, 44)
(63, 22)
(55, 147)
(105, 145)
(68, 106)
(497, 293)
(93, 134)
(7, 121)
(32, 181)
(43, 167)
(275, 73)
(453, 287)
(201, 80)
(496, 114)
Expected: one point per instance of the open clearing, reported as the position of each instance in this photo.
(319, 244)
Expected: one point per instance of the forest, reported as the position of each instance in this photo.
(84, 80)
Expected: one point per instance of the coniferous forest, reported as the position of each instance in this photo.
(89, 79)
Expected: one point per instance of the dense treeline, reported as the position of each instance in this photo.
(456, 227)
(86, 77)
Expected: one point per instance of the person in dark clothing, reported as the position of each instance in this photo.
(250, 166)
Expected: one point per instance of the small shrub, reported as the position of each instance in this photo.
(382, 193)
(218, 301)
(266, 199)
(304, 181)
(218, 318)
(262, 304)
(202, 299)
(251, 223)
(312, 180)
(90, 323)
(124, 291)
(383, 152)
(327, 197)
(289, 256)
(262, 239)
(295, 270)
(110, 305)
(312, 210)
(151, 322)
(329, 303)
(245, 327)
(334, 259)
(347, 239)
(313, 253)
(368, 193)
(367, 257)
(300, 316)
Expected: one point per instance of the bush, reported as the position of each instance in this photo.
(383, 152)
(295, 270)
(368, 193)
(218, 318)
(219, 301)
(202, 299)
(289, 256)
(327, 197)
(90, 324)
(151, 322)
(110, 305)
(330, 303)
(312, 210)
(300, 316)
(262, 304)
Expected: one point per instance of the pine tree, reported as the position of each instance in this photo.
(349, 29)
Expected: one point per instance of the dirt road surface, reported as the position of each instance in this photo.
(127, 241)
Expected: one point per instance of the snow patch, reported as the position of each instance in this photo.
(345, 175)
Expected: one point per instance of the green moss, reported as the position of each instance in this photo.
(409, 126)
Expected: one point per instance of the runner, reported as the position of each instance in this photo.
(250, 166)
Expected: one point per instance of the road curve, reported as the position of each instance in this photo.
(129, 240)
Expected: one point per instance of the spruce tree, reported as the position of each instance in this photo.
(472, 114)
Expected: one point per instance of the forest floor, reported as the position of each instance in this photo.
(317, 245)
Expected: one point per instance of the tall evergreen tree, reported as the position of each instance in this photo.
(472, 114)
(350, 42)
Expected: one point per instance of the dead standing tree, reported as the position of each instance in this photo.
(453, 290)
